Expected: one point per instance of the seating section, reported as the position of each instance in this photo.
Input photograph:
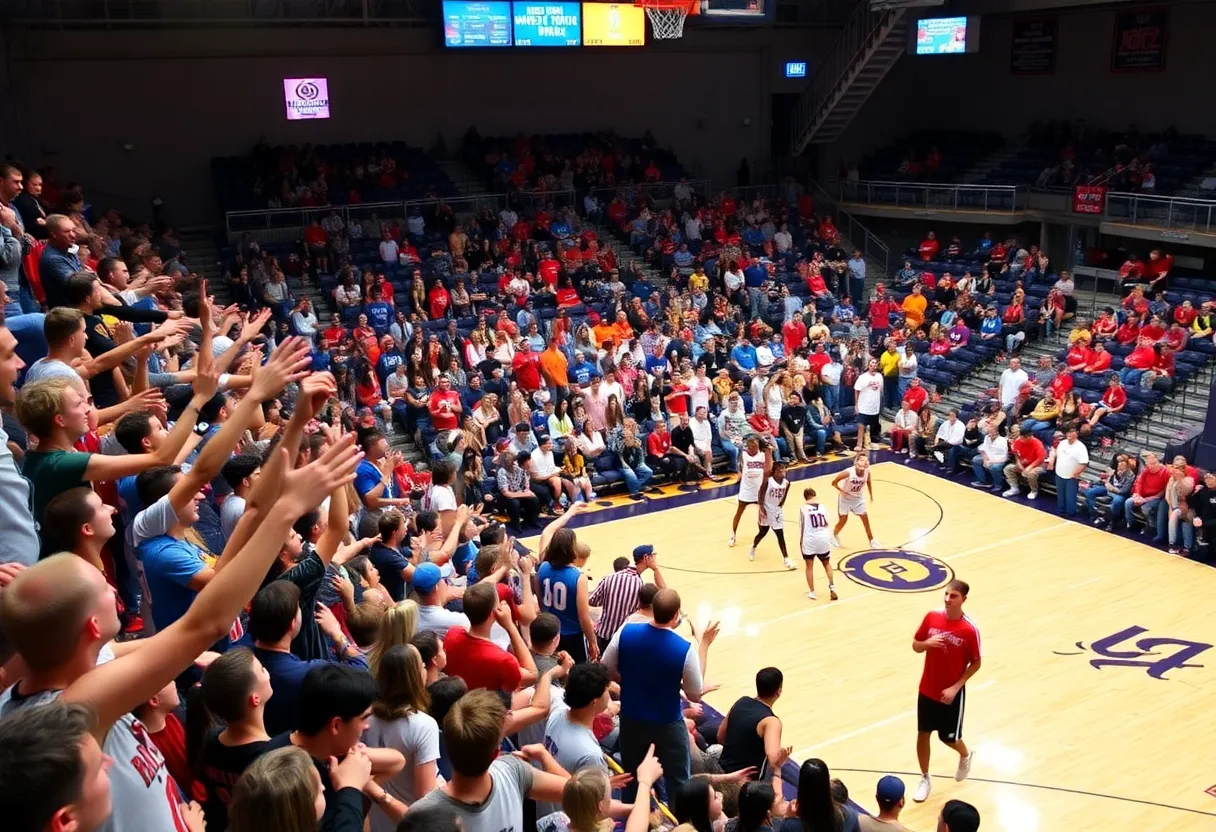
(335, 174)
(556, 161)
(930, 156)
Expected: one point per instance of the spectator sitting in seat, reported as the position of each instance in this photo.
(1028, 457)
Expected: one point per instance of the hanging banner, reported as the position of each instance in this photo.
(1139, 44)
(1089, 199)
(1033, 49)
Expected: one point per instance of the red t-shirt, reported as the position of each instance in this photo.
(171, 740)
(1029, 451)
(1153, 332)
(526, 366)
(1114, 397)
(928, 249)
(1060, 385)
(1185, 316)
(1141, 358)
(792, 332)
(1152, 483)
(548, 271)
(944, 665)
(444, 418)
(1098, 362)
(880, 314)
(916, 398)
(480, 662)
(658, 444)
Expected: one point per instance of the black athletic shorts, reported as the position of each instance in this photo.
(935, 715)
(820, 555)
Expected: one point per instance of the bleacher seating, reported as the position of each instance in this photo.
(249, 182)
(959, 149)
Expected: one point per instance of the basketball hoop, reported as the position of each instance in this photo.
(667, 16)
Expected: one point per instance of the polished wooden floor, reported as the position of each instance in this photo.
(1061, 744)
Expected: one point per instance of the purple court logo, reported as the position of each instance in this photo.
(896, 570)
(306, 98)
(1157, 656)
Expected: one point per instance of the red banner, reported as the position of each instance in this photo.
(1089, 199)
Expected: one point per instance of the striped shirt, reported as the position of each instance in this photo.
(617, 597)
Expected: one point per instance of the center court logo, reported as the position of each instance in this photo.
(896, 570)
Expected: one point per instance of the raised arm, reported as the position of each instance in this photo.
(114, 688)
(546, 537)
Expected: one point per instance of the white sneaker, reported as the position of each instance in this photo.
(751, 554)
(1033, 495)
(874, 544)
(922, 790)
(964, 766)
(732, 539)
(812, 596)
(1010, 492)
(788, 563)
(836, 541)
(832, 592)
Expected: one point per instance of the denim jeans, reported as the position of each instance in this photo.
(636, 478)
(958, 455)
(890, 392)
(1091, 495)
(1066, 496)
(1032, 425)
(1188, 530)
(831, 397)
(984, 473)
(731, 450)
(821, 438)
(1156, 514)
(1130, 376)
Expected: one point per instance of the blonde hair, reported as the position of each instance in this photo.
(582, 800)
(401, 684)
(39, 402)
(398, 626)
(276, 791)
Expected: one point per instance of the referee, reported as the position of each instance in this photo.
(617, 594)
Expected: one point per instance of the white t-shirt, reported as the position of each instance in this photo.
(441, 498)
(699, 390)
(439, 620)
(1071, 459)
(869, 393)
(1011, 382)
(417, 738)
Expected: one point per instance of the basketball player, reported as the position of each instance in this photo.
(951, 644)
(753, 468)
(852, 500)
(816, 541)
(774, 488)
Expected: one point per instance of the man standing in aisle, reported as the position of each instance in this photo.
(951, 644)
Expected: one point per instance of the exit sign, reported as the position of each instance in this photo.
(795, 69)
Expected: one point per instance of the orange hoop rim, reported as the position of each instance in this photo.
(689, 7)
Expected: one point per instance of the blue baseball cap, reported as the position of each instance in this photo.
(645, 550)
(426, 577)
(890, 790)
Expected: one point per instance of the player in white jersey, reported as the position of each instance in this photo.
(853, 483)
(754, 466)
(773, 491)
(815, 534)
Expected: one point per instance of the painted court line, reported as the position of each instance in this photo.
(865, 593)
(802, 754)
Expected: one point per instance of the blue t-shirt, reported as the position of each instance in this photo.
(389, 361)
(287, 672)
(368, 476)
(581, 374)
(129, 496)
(379, 315)
(744, 355)
(389, 562)
(322, 361)
(169, 565)
(559, 595)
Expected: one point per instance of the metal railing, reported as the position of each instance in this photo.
(988, 198)
(872, 248)
(236, 222)
(1161, 211)
(655, 192)
(864, 28)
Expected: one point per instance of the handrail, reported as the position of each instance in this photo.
(284, 218)
(872, 248)
(862, 27)
(1161, 211)
(653, 190)
(936, 196)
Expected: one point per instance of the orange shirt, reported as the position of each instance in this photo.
(602, 331)
(914, 309)
(554, 366)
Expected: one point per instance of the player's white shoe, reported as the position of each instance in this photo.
(964, 766)
(789, 564)
(832, 592)
(874, 544)
(922, 790)
(751, 554)
(1033, 495)
(836, 541)
(731, 542)
(812, 595)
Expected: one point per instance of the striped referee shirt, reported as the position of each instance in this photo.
(617, 597)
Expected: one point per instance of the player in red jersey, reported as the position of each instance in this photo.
(951, 644)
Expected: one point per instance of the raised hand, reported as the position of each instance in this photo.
(327, 622)
(206, 380)
(711, 632)
(289, 363)
(649, 771)
(149, 399)
(305, 488)
(344, 588)
(124, 332)
(204, 307)
(253, 325)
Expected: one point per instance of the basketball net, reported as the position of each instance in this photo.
(667, 22)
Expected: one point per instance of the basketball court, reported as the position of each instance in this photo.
(1091, 709)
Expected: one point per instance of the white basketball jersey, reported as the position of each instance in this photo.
(774, 494)
(816, 530)
(751, 472)
(854, 483)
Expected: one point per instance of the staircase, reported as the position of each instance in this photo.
(462, 178)
(868, 46)
(978, 173)
(198, 244)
